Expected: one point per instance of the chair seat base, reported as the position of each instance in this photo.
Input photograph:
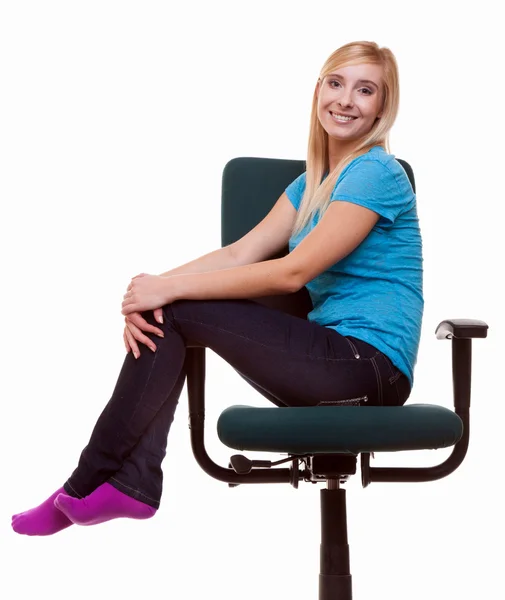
(342, 429)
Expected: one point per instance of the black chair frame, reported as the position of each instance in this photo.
(335, 469)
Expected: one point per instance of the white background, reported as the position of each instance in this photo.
(117, 119)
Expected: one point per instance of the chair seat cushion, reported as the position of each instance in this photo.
(342, 429)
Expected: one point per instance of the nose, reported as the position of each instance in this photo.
(345, 98)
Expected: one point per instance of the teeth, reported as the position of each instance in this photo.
(341, 117)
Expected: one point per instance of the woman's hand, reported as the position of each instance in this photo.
(135, 324)
(145, 292)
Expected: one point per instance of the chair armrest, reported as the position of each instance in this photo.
(461, 332)
(461, 329)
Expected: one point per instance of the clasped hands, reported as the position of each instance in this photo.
(144, 292)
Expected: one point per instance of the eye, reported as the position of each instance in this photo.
(333, 81)
(369, 92)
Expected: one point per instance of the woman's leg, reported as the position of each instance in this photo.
(135, 490)
(298, 362)
(293, 360)
(142, 466)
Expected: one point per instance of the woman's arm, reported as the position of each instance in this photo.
(266, 278)
(222, 258)
(264, 241)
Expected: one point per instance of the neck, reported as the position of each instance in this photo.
(337, 149)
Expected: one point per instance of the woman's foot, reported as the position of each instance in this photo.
(44, 519)
(104, 504)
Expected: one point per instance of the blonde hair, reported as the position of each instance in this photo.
(316, 197)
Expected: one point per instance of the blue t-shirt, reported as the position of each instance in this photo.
(375, 293)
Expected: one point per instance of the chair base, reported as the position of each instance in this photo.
(335, 587)
(335, 581)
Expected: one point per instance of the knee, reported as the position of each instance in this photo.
(185, 309)
(198, 311)
(180, 309)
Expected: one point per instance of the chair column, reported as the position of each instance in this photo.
(335, 582)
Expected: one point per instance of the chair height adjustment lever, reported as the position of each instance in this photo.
(243, 465)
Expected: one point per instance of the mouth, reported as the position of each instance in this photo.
(342, 119)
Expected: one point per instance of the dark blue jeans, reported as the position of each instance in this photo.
(289, 360)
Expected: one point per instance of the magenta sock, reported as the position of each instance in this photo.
(44, 519)
(104, 504)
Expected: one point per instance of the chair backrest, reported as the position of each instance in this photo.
(250, 188)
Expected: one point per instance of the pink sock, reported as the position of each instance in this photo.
(104, 504)
(44, 519)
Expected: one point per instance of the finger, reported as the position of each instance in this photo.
(139, 275)
(141, 323)
(132, 342)
(125, 339)
(138, 335)
(128, 306)
(158, 315)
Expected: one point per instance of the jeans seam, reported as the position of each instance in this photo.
(390, 367)
(394, 377)
(398, 393)
(353, 348)
(133, 489)
(243, 337)
(139, 403)
(75, 492)
(379, 380)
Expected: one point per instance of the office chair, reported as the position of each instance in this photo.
(323, 443)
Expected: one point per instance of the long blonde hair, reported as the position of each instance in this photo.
(316, 197)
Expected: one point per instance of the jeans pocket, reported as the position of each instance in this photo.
(403, 389)
(353, 348)
(395, 376)
(394, 371)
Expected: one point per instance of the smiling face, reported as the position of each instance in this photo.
(349, 101)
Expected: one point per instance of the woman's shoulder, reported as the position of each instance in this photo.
(376, 154)
(296, 189)
(378, 160)
(298, 185)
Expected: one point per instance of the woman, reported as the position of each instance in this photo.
(354, 241)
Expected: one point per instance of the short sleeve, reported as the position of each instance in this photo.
(372, 184)
(295, 190)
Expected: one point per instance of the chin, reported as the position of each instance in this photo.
(350, 137)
